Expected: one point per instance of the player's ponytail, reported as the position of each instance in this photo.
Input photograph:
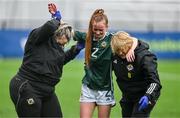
(97, 16)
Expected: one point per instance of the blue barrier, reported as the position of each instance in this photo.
(12, 42)
(163, 44)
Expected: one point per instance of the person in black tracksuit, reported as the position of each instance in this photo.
(138, 80)
(32, 89)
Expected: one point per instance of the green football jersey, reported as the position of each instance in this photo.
(98, 75)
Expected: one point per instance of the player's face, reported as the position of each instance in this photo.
(99, 29)
(62, 40)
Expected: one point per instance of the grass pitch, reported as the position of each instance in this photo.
(68, 90)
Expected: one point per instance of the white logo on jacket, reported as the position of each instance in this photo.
(115, 61)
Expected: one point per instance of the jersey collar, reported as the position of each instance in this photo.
(101, 38)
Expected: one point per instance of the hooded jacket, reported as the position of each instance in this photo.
(43, 57)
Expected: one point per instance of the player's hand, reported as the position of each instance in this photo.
(54, 12)
(130, 56)
(143, 103)
(52, 8)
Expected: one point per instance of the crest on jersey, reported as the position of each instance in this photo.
(30, 101)
(130, 67)
(103, 44)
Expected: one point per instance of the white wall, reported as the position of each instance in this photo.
(133, 15)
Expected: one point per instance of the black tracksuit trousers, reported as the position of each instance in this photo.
(30, 103)
(130, 109)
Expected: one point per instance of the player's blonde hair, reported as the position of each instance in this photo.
(97, 16)
(121, 42)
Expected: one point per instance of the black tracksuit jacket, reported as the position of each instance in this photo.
(140, 77)
(44, 58)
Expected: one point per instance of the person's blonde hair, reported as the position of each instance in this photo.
(121, 42)
(97, 16)
(64, 29)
